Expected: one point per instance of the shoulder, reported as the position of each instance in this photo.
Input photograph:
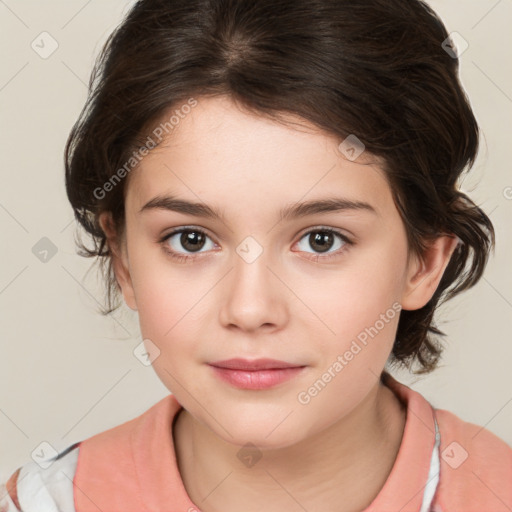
(476, 446)
(43, 487)
(48, 486)
(476, 466)
(117, 439)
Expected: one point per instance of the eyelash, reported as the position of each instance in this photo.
(181, 258)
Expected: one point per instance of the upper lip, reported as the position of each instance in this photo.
(254, 364)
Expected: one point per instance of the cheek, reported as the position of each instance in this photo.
(170, 315)
(362, 312)
(170, 310)
(168, 297)
(360, 296)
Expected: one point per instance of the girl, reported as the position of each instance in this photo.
(272, 186)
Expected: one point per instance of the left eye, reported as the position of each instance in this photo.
(322, 240)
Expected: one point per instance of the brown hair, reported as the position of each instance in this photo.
(375, 69)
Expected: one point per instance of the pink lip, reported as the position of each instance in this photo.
(256, 364)
(256, 374)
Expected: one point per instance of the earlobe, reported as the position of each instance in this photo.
(425, 272)
(119, 259)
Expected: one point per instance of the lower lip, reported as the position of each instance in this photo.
(258, 379)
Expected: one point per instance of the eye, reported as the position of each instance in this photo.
(322, 240)
(191, 239)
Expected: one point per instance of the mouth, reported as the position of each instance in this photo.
(256, 374)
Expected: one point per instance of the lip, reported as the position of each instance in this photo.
(254, 364)
(257, 374)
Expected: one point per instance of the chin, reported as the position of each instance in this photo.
(263, 436)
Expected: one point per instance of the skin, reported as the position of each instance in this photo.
(291, 303)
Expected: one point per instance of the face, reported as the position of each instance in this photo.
(318, 288)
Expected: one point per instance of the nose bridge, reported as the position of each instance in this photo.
(254, 296)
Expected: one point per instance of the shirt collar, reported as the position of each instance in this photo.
(405, 487)
(152, 443)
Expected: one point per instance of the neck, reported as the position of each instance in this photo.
(341, 468)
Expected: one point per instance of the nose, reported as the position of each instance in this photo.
(253, 297)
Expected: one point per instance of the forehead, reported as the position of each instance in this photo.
(221, 154)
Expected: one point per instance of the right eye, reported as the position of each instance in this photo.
(191, 239)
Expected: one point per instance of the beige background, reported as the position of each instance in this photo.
(67, 372)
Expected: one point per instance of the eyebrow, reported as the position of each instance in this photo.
(293, 211)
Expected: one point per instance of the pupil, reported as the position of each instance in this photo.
(322, 242)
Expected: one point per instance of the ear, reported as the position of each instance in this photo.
(425, 272)
(119, 259)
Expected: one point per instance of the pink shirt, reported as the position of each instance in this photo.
(465, 468)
